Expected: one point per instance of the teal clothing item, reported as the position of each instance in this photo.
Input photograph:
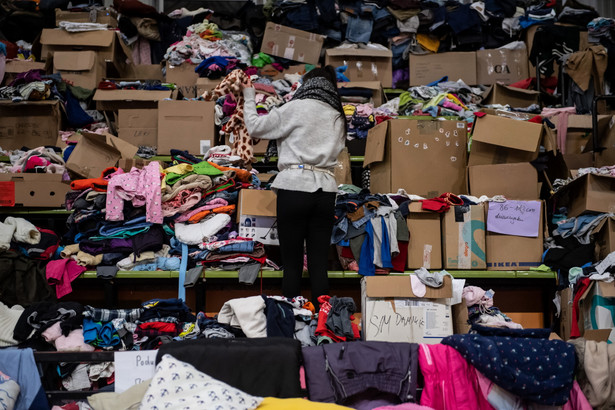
(349, 189)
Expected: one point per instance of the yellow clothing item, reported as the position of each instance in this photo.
(180, 169)
(349, 109)
(273, 403)
(456, 101)
(428, 42)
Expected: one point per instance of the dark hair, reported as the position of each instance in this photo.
(329, 74)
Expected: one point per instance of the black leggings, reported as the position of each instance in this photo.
(305, 216)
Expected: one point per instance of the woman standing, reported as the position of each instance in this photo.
(310, 132)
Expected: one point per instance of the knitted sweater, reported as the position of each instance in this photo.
(308, 132)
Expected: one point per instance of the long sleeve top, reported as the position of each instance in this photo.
(308, 132)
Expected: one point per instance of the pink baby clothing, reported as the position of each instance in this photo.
(142, 187)
(61, 273)
(52, 332)
(185, 200)
(74, 342)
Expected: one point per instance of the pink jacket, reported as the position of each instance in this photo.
(450, 382)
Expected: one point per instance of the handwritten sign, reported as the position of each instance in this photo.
(519, 218)
(133, 367)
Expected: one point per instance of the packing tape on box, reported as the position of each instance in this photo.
(427, 248)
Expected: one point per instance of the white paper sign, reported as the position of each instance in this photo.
(133, 367)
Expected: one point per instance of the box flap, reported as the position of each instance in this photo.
(505, 132)
(74, 60)
(131, 95)
(358, 52)
(394, 286)
(54, 36)
(21, 66)
(92, 155)
(125, 148)
(295, 32)
(376, 143)
(597, 335)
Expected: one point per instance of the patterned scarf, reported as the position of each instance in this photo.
(318, 88)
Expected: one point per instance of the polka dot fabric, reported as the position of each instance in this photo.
(534, 369)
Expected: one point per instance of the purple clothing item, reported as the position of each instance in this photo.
(343, 373)
(106, 246)
(27, 77)
(400, 75)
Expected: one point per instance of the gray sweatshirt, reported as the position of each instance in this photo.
(308, 132)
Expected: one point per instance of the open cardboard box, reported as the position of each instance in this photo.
(374, 86)
(499, 140)
(17, 66)
(391, 312)
(113, 100)
(588, 192)
(463, 237)
(82, 68)
(400, 151)
(363, 64)
(96, 152)
(506, 95)
(107, 16)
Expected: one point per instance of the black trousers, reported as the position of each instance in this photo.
(309, 217)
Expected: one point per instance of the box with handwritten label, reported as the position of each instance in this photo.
(514, 234)
(391, 312)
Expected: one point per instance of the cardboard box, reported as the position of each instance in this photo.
(181, 75)
(363, 64)
(82, 68)
(400, 151)
(269, 71)
(205, 84)
(16, 66)
(579, 140)
(587, 193)
(257, 216)
(374, 86)
(186, 125)
(33, 190)
(565, 317)
(425, 69)
(514, 181)
(509, 252)
(127, 164)
(499, 140)
(604, 235)
(138, 126)
(143, 72)
(107, 44)
(425, 244)
(392, 313)
(29, 123)
(597, 308)
(291, 44)
(463, 237)
(506, 95)
(114, 100)
(96, 152)
(108, 17)
(501, 65)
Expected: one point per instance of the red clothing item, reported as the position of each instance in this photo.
(323, 314)
(61, 273)
(581, 287)
(160, 326)
(97, 184)
(399, 261)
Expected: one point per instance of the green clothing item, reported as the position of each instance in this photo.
(121, 234)
(261, 60)
(349, 189)
(202, 168)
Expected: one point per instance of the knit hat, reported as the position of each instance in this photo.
(8, 322)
